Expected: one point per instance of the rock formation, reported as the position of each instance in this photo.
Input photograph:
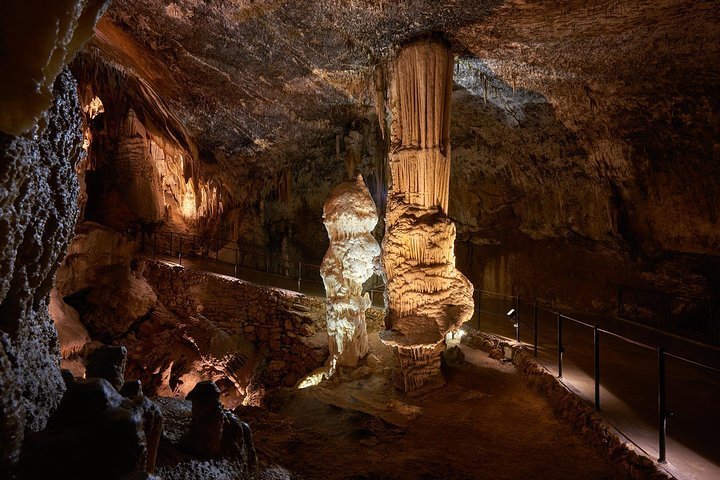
(427, 297)
(108, 363)
(95, 433)
(350, 217)
(216, 432)
(35, 46)
(37, 216)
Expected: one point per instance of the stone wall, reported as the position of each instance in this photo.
(279, 322)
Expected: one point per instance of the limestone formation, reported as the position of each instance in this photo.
(206, 427)
(108, 363)
(36, 45)
(350, 217)
(72, 334)
(427, 296)
(215, 432)
(37, 215)
(98, 275)
(95, 433)
(12, 418)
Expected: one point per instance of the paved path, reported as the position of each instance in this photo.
(628, 395)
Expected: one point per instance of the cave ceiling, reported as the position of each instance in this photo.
(262, 85)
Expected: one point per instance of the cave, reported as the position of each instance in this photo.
(359, 239)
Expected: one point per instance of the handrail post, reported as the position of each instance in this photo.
(596, 345)
(535, 335)
(236, 263)
(479, 306)
(180, 251)
(267, 268)
(637, 307)
(517, 319)
(560, 345)
(713, 327)
(299, 274)
(662, 410)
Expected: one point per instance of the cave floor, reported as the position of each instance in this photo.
(483, 423)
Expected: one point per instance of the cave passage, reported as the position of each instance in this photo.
(364, 239)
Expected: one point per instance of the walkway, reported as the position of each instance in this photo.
(629, 373)
(483, 424)
(629, 389)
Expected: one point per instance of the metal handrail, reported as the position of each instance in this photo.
(663, 413)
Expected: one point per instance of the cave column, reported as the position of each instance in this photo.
(427, 297)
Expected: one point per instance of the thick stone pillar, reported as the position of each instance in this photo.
(427, 296)
(350, 217)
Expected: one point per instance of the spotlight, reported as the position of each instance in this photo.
(510, 312)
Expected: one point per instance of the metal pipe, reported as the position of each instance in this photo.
(299, 274)
(517, 319)
(560, 345)
(479, 305)
(535, 334)
(180, 251)
(596, 351)
(662, 407)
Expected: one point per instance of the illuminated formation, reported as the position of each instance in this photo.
(427, 296)
(349, 216)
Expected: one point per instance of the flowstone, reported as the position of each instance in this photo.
(427, 296)
(350, 217)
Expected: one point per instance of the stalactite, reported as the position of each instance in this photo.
(427, 297)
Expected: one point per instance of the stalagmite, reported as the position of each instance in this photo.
(427, 296)
(350, 217)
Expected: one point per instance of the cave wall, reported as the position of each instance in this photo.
(39, 209)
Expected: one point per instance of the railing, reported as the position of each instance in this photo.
(508, 315)
(690, 317)
(240, 260)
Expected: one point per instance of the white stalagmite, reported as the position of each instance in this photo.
(350, 216)
(427, 296)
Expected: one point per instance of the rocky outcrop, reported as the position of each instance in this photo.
(203, 440)
(108, 363)
(97, 277)
(427, 296)
(350, 217)
(95, 433)
(36, 48)
(37, 215)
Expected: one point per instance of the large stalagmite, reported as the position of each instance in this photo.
(350, 217)
(427, 296)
